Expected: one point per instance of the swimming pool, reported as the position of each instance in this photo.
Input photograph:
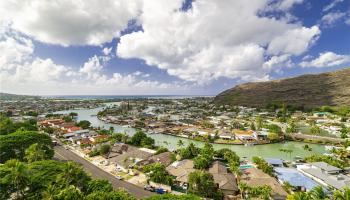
(246, 166)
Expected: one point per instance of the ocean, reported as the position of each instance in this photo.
(124, 96)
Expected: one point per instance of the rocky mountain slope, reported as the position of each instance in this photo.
(308, 91)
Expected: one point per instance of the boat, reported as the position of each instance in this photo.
(330, 148)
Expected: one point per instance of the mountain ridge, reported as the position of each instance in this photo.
(308, 91)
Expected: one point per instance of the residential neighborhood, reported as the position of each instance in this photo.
(137, 159)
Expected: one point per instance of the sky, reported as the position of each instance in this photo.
(166, 47)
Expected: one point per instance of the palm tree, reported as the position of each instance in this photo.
(73, 174)
(180, 143)
(49, 193)
(111, 129)
(342, 195)
(18, 177)
(307, 147)
(243, 187)
(35, 152)
(318, 193)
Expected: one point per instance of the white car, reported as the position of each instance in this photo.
(119, 177)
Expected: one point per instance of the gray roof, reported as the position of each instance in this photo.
(274, 161)
(127, 158)
(122, 148)
(163, 158)
(69, 135)
(81, 131)
(325, 166)
(337, 181)
(75, 138)
(225, 180)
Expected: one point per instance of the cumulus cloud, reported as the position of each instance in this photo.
(32, 75)
(67, 22)
(211, 40)
(326, 59)
(214, 39)
(15, 49)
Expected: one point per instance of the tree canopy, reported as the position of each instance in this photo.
(202, 183)
(13, 146)
(84, 124)
(141, 139)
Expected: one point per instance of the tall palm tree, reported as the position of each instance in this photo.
(19, 178)
(180, 143)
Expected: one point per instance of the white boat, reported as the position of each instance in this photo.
(330, 148)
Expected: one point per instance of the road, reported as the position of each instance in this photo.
(62, 154)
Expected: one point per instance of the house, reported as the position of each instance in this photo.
(73, 129)
(162, 158)
(98, 137)
(84, 141)
(181, 170)
(247, 135)
(325, 167)
(51, 122)
(75, 138)
(80, 132)
(263, 134)
(190, 131)
(68, 135)
(255, 177)
(226, 135)
(226, 181)
(118, 149)
(122, 148)
(326, 175)
(295, 178)
(131, 158)
(275, 162)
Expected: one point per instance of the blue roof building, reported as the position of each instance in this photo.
(295, 178)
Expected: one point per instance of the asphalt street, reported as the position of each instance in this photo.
(62, 154)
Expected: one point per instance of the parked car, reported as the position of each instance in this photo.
(119, 177)
(149, 188)
(160, 191)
